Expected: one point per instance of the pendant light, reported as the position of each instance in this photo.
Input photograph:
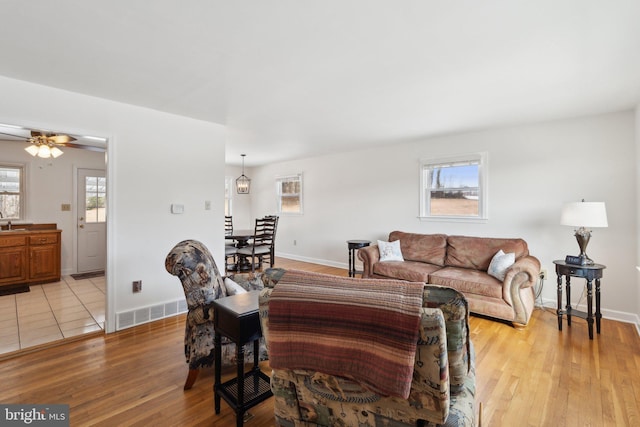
(243, 183)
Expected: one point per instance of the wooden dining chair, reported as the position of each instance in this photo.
(230, 244)
(228, 229)
(263, 245)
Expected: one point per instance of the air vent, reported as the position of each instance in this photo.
(141, 315)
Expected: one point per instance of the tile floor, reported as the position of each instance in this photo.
(51, 312)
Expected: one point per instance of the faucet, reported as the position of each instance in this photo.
(9, 225)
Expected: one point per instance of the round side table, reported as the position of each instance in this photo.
(353, 246)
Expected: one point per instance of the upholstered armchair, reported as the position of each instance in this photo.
(357, 352)
(193, 264)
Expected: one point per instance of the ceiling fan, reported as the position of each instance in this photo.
(47, 144)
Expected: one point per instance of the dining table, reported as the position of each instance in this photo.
(241, 237)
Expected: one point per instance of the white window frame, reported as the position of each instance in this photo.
(279, 195)
(426, 165)
(22, 194)
(228, 194)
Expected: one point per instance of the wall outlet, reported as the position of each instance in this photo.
(137, 286)
(543, 274)
(295, 242)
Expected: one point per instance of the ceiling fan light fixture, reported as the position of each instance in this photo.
(44, 151)
(32, 149)
(56, 152)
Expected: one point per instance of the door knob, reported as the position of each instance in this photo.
(81, 226)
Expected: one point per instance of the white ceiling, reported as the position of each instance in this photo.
(294, 78)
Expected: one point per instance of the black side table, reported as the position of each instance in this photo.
(588, 272)
(353, 246)
(237, 318)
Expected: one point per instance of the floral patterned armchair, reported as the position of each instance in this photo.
(442, 385)
(193, 264)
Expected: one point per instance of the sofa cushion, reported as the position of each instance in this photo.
(468, 281)
(405, 270)
(233, 288)
(477, 252)
(429, 248)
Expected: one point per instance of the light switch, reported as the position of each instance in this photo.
(65, 207)
(177, 209)
(207, 205)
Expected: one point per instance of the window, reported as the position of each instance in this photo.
(289, 192)
(95, 197)
(228, 191)
(454, 188)
(12, 191)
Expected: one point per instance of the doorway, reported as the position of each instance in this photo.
(91, 251)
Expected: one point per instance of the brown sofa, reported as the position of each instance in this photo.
(461, 262)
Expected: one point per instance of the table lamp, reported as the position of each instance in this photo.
(584, 215)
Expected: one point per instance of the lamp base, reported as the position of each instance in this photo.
(585, 260)
(582, 236)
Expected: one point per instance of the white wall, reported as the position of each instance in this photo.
(49, 184)
(533, 170)
(154, 159)
(638, 209)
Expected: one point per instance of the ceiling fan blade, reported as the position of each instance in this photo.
(60, 139)
(53, 137)
(83, 147)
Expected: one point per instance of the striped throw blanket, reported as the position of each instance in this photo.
(363, 329)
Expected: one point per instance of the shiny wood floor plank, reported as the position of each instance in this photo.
(534, 377)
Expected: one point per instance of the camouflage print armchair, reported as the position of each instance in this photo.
(192, 262)
(441, 385)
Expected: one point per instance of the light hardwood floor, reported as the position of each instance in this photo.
(535, 377)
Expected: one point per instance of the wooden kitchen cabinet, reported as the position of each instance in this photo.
(44, 257)
(13, 259)
(30, 255)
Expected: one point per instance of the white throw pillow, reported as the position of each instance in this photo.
(390, 251)
(233, 288)
(500, 263)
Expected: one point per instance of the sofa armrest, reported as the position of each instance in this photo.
(522, 274)
(369, 255)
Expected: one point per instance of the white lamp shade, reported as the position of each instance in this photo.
(56, 152)
(32, 149)
(584, 214)
(44, 152)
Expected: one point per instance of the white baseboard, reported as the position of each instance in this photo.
(619, 316)
(314, 260)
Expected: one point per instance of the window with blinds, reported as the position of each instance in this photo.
(12, 191)
(454, 187)
(289, 194)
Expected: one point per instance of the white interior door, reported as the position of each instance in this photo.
(92, 221)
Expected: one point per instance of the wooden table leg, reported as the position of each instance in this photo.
(217, 342)
(559, 311)
(598, 314)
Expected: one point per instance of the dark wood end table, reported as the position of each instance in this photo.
(589, 273)
(354, 245)
(237, 318)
